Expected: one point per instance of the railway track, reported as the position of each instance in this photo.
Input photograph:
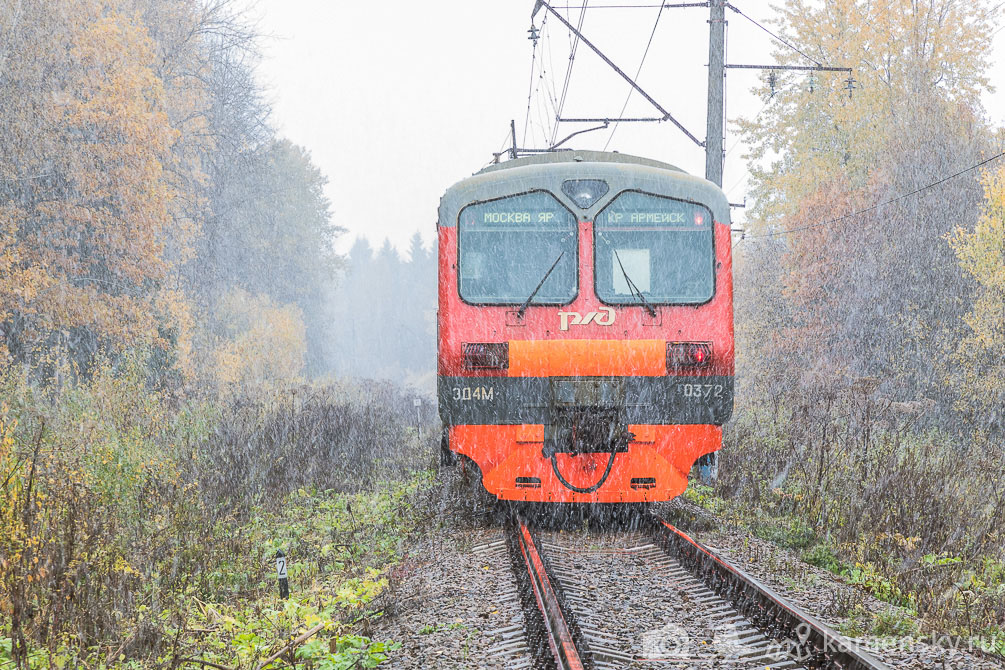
(654, 597)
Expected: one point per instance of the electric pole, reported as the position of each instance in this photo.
(708, 465)
(715, 123)
(716, 86)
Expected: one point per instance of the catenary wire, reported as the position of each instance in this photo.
(780, 39)
(637, 73)
(992, 11)
(548, 79)
(916, 191)
(530, 85)
(568, 71)
(542, 118)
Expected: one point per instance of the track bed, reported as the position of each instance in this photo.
(637, 607)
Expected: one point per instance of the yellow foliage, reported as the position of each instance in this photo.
(908, 58)
(265, 342)
(173, 308)
(82, 472)
(91, 232)
(981, 355)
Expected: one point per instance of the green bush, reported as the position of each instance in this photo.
(789, 532)
(822, 556)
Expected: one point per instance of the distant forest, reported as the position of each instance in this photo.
(384, 320)
(147, 205)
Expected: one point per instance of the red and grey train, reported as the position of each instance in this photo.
(585, 326)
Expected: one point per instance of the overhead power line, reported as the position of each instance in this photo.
(530, 86)
(780, 39)
(667, 116)
(568, 71)
(850, 215)
(637, 73)
(548, 80)
(665, 5)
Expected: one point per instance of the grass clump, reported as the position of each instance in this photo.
(789, 532)
(822, 556)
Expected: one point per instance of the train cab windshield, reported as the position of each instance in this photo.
(506, 247)
(655, 246)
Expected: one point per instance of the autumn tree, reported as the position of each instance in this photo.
(904, 55)
(269, 232)
(87, 184)
(261, 342)
(872, 291)
(979, 360)
(142, 185)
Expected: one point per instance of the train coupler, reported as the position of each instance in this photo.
(586, 431)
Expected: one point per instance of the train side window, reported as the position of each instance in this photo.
(506, 247)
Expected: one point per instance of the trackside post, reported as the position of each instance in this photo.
(284, 582)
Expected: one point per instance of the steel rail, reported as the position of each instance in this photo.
(813, 642)
(560, 638)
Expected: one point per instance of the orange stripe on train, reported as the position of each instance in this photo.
(591, 358)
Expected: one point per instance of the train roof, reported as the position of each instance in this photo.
(548, 171)
(573, 156)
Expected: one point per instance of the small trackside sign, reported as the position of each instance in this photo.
(284, 582)
(602, 317)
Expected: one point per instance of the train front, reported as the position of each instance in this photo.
(585, 326)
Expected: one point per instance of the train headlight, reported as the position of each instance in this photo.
(688, 355)
(486, 356)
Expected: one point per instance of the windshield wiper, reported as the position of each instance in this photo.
(633, 288)
(526, 303)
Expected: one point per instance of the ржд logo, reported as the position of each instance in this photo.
(577, 319)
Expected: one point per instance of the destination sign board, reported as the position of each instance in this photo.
(641, 209)
(536, 210)
(651, 217)
(518, 217)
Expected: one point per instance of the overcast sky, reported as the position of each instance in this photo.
(398, 100)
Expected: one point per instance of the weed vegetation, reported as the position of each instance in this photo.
(870, 340)
(912, 514)
(139, 529)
